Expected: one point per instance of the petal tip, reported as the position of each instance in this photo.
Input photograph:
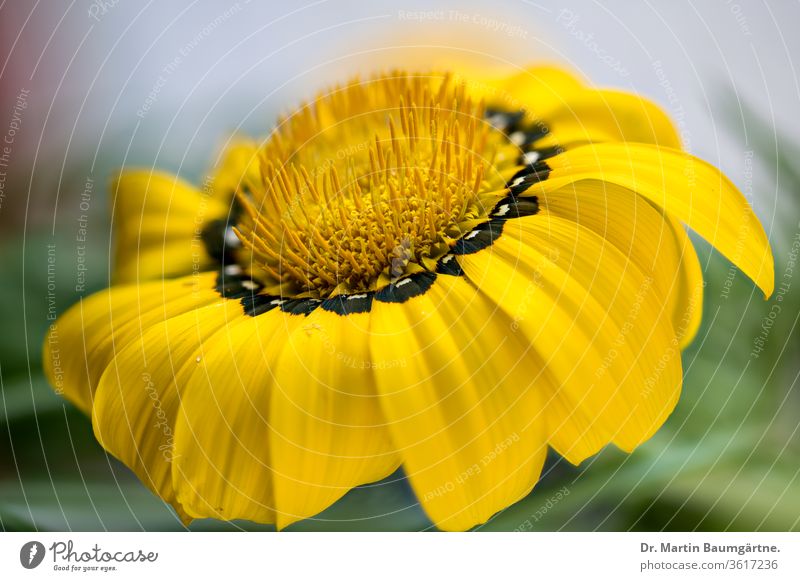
(766, 280)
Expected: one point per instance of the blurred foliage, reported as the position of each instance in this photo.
(727, 459)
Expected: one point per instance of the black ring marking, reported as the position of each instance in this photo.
(502, 120)
(255, 305)
(448, 264)
(480, 237)
(303, 306)
(512, 124)
(237, 286)
(527, 176)
(406, 288)
(232, 284)
(218, 237)
(539, 155)
(513, 207)
(349, 304)
(525, 138)
(213, 237)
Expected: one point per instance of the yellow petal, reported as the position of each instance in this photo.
(687, 188)
(537, 90)
(158, 222)
(687, 297)
(460, 399)
(222, 466)
(595, 320)
(329, 434)
(649, 380)
(83, 341)
(596, 116)
(238, 169)
(657, 246)
(574, 113)
(139, 394)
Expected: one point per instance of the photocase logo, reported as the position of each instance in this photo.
(31, 554)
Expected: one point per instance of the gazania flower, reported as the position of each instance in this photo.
(423, 271)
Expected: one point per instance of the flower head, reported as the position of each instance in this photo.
(445, 274)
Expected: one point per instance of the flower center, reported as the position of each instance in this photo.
(370, 182)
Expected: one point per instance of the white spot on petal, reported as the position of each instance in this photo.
(502, 210)
(517, 138)
(498, 121)
(231, 239)
(531, 157)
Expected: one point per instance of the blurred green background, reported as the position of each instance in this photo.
(727, 459)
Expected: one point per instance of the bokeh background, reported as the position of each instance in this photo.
(90, 86)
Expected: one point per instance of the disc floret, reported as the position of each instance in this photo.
(369, 182)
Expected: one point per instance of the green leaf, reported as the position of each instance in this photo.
(64, 505)
(27, 397)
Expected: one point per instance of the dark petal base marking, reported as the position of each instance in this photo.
(448, 265)
(512, 123)
(536, 155)
(220, 241)
(524, 135)
(527, 176)
(512, 207)
(233, 284)
(482, 236)
(505, 121)
(219, 238)
(299, 306)
(349, 304)
(255, 305)
(236, 286)
(406, 288)
(525, 138)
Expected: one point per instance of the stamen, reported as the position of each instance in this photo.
(416, 155)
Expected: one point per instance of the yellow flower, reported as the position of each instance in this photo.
(426, 271)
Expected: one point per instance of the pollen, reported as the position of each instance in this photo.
(371, 181)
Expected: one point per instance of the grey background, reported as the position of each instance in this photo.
(91, 66)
